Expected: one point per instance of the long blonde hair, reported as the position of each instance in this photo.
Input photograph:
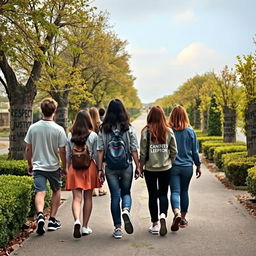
(94, 113)
(178, 118)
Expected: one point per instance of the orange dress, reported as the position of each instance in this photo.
(83, 179)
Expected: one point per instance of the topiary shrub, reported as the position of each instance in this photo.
(236, 168)
(220, 151)
(15, 199)
(214, 118)
(208, 138)
(13, 167)
(251, 181)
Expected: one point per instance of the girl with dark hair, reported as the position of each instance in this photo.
(117, 129)
(157, 153)
(182, 170)
(82, 182)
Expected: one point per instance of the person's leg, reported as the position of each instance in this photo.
(175, 196)
(55, 203)
(151, 182)
(175, 189)
(125, 185)
(55, 183)
(76, 209)
(163, 184)
(87, 208)
(76, 203)
(40, 189)
(186, 175)
(115, 194)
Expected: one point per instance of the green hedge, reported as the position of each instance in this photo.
(236, 167)
(13, 167)
(208, 138)
(208, 147)
(251, 181)
(220, 151)
(199, 133)
(15, 200)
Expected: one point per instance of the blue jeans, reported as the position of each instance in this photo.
(179, 182)
(119, 183)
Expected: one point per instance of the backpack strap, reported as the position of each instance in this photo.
(148, 145)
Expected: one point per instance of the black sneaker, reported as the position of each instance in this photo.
(40, 220)
(176, 222)
(53, 224)
(183, 223)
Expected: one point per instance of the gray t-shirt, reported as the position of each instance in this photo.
(45, 137)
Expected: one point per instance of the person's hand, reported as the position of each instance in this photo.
(101, 176)
(30, 170)
(137, 173)
(198, 172)
(64, 172)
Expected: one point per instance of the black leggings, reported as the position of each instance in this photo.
(157, 184)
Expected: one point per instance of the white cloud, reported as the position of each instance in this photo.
(159, 73)
(183, 17)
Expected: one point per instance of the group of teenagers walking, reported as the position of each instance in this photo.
(168, 151)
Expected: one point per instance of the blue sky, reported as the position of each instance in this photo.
(171, 41)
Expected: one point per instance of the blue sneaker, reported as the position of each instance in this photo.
(118, 234)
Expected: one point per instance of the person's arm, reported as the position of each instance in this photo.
(28, 152)
(143, 151)
(173, 148)
(101, 174)
(195, 155)
(62, 151)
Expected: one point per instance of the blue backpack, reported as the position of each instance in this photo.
(116, 154)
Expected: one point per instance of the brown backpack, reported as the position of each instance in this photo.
(81, 158)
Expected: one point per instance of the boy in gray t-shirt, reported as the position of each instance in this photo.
(45, 141)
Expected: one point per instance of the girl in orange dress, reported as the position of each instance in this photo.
(82, 182)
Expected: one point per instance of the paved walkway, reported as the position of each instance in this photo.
(218, 225)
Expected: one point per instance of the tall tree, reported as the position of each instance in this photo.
(227, 93)
(214, 123)
(246, 69)
(28, 28)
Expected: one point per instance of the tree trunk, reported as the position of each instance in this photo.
(61, 116)
(229, 124)
(205, 121)
(250, 128)
(20, 119)
(197, 119)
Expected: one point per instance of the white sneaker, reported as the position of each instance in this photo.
(77, 231)
(127, 221)
(154, 230)
(163, 228)
(86, 231)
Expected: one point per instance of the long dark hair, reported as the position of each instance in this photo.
(81, 127)
(115, 114)
(157, 124)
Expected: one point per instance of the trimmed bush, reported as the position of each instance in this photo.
(219, 151)
(209, 147)
(236, 168)
(13, 167)
(251, 181)
(3, 157)
(208, 138)
(15, 199)
(199, 133)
